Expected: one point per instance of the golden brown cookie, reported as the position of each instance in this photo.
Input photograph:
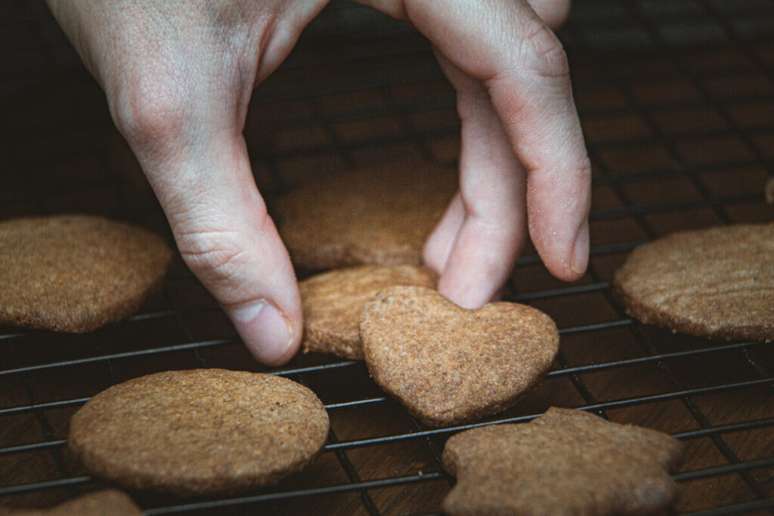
(716, 282)
(380, 215)
(204, 431)
(566, 462)
(333, 303)
(101, 503)
(76, 273)
(448, 364)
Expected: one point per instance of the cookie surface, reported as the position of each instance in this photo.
(380, 215)
(76, 273)
(564, 462)
(202, 431)
(333, 303)
(717, 282)
(100, 503)
(447, 364)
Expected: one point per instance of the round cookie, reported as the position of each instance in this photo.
(333, 303)
(100, 503)
(380, 215)
(199, 432)
(76, 273)
(716, 282)
(449, 365)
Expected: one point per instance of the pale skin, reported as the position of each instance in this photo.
(179, 75)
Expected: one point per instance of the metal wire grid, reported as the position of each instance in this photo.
(596, 67)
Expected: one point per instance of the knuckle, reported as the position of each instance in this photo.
(148, 110)
(544, 52)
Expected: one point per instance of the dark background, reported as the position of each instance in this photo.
(677, 102)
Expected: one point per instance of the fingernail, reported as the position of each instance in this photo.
(265, 330)
(580, 253)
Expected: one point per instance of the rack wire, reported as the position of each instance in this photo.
(677, 101)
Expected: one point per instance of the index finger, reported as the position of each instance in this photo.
(521, 62)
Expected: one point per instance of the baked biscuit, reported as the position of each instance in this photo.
(447, 364)
(566, 462)
(380, 215)
(716, 282)
(108, 502)
(199, 432)
(76, 273)
(333, 303)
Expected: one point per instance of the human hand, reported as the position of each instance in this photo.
(523, 161)
(179, 75)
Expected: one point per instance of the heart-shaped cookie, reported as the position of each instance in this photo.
(447, 364)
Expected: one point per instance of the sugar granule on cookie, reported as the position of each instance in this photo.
(107, 502)
(716, 282)
(447, 364)
(566, 462)
(378, 215)
(333, 303)
(76, 273)
(199, 432)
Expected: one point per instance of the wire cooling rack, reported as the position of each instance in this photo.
(677, 102)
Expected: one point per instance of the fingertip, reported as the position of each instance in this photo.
(461, 293)
(566, 259)
(558, 206)
(580, 251)
(431, 259)
(268, 334)
(455, 297)
(481, 261)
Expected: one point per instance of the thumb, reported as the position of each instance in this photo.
(229, 241)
